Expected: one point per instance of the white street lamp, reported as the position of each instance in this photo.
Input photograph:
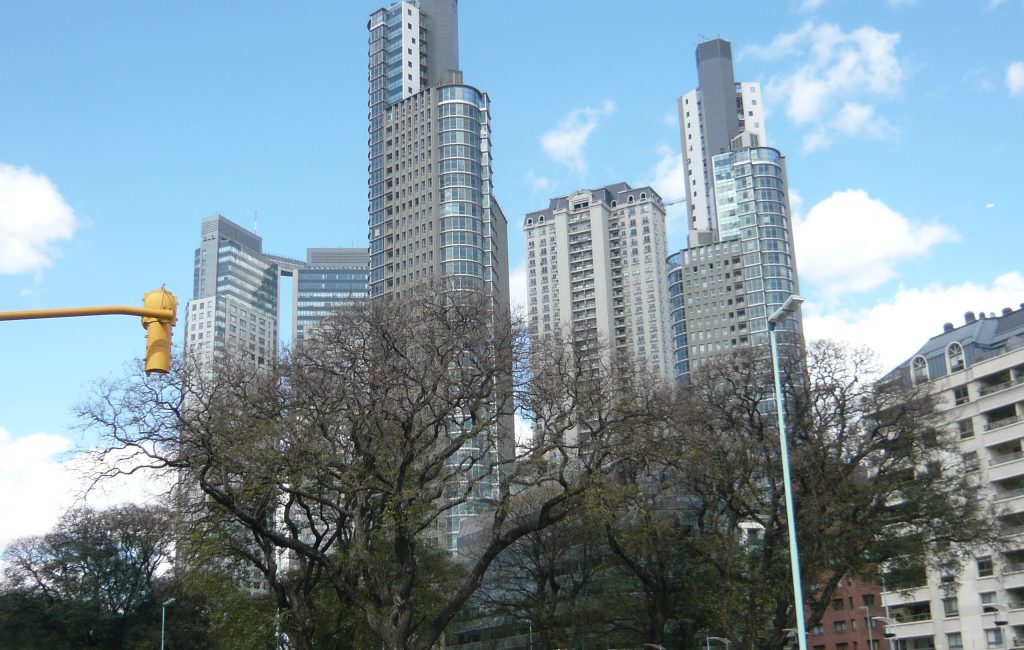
(720, 639)
(787, 309)
(163, 619)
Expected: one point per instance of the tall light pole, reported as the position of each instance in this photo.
(871, 624)
(787, 309)
(163, 619)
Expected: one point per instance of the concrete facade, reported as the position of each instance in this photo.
(977, 372)
(595, 270)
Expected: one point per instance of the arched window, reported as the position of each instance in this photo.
(614, 203)
(540, 219)
(629, 199)
(643, 195)
(919, 370)
(955, 357)
(529, 222)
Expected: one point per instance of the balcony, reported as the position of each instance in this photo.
(992, 425)
(995, 388)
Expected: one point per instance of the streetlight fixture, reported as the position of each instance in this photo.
(1002, 613)
(720, 639)
(889, 622)
(163, 619)
(787, 309)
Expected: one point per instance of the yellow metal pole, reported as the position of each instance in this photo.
(68, 312)
(159, 315)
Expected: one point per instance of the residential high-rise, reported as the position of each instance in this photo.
(976, 371)
(432, 215)
(235, 302)
(710, 116)
(739, 265)
(595, 271)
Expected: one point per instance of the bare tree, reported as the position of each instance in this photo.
(346, 459)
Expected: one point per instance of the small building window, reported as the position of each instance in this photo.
(950, 607)
(984, 566)
(955, 357)
(960, 395)
(919, 370)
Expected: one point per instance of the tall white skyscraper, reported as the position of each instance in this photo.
(595, 267)
(710, 116)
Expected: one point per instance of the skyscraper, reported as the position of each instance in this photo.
(432, 215)
(739, 265)
(710, 116)
(595, 272)
(235, 304)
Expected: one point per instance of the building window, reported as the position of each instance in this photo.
(950, 607)
(987, 597)
(919, 370)
(984, 566)
(869, 599)
(840, 626)
(965, 428)
(955, 357)
(972, 464)
(960, 395)
(994, 638)
(954, 641)
(818, 629)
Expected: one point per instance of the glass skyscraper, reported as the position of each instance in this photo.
(432, 214)
(739, 266)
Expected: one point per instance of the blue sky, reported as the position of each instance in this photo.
(123, 124)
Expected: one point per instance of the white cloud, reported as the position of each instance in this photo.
(567, 142)
(39, 482)
(850, 242)
(666, 177)
(853, 120)
(1015, 77)
(539, 183)
(517, 287)
(33, 216)
(811, 5)
(896, 328)
(990, 205)
(836, 68)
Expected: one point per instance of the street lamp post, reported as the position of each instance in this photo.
(163, 619)
(787, 309)
(870, 623)
(889, 622)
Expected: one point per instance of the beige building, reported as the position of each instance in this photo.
(596, 269)
(977, 371)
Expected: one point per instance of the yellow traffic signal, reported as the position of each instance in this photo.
(158, 330)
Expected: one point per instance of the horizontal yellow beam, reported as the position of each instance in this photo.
(68, 312)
